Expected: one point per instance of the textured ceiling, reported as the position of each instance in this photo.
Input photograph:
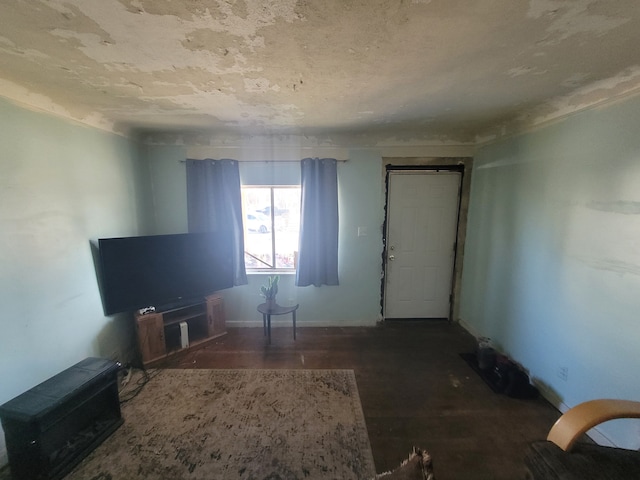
(436, 70)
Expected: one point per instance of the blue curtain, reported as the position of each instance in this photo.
(318, 246)
(214, 203)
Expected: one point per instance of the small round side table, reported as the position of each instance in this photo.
(266, 312)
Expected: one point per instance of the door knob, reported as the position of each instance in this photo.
(392, 257)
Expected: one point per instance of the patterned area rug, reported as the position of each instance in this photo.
(238, 424)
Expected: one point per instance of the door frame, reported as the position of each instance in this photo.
(458, 168)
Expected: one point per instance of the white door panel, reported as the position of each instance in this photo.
(422, 212)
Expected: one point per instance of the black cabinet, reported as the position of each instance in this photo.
(50, 428)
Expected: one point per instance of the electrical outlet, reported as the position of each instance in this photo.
(563, 373)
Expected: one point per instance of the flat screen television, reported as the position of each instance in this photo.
(163, 271)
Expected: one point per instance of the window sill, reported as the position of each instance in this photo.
(270, 272)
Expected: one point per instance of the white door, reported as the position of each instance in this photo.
(422, 217)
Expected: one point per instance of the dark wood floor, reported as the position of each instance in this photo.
(414, 389)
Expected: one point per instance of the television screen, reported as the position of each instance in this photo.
(163, 271)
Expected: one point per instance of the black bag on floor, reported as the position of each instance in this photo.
(512, 380)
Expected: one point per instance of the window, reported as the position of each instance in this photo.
(271, 217)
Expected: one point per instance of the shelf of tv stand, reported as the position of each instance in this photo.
(182, 318)
(159, 333)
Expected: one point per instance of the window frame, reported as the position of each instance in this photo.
(268, 269)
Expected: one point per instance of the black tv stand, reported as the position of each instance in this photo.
(52, 427)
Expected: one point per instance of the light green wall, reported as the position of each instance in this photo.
(61, 186)
(356, 301)
(552, 260)
(168, 183)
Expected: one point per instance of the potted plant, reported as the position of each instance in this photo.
(270, 290)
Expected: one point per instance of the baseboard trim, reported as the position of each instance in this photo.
(468, 328)
(286, 321)
(594, 434)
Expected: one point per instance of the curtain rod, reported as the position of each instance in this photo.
(259, 161)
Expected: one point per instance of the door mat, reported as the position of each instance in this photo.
(489, 376)
(506, 377)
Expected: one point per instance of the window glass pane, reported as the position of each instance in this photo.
(257, 228)
(271, 226)
(286, 216)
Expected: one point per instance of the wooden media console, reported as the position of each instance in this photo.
(165, 334)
